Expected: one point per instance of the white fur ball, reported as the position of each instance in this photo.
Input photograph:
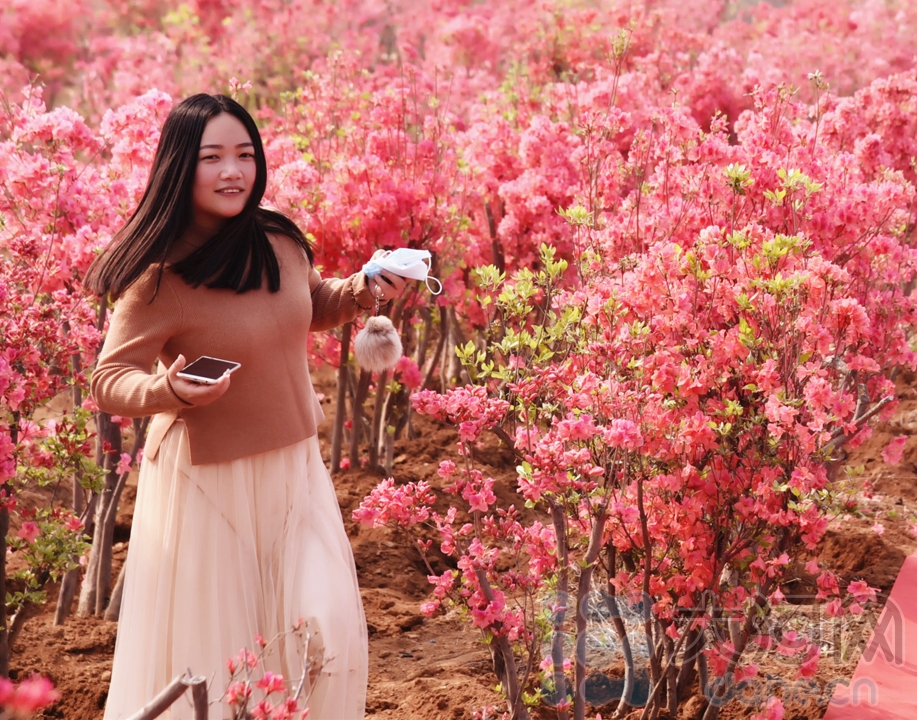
(377, 346)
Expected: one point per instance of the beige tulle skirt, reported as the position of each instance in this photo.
(220, 553)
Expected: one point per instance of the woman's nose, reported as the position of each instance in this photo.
(231, 170)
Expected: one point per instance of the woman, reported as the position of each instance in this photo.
(237, 531)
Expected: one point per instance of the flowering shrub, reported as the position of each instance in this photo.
(678, 415)
(52, 222)
(256, 693)
(21, 701)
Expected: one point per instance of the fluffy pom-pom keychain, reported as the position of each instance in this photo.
(377, 346)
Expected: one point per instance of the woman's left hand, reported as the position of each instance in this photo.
(385, 286)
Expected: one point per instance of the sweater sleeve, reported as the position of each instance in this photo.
(123, 382)
(337, 301)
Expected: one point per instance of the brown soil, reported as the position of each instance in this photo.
(423, 669)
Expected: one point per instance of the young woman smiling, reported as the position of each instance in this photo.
(236, 530)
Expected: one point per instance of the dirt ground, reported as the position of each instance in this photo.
(426, 669)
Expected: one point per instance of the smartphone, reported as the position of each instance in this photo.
(208, 370)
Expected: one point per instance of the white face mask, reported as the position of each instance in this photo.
(408, 263)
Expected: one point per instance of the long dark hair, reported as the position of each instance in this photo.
(237, 257)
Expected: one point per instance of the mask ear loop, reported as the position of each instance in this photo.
(426, 281)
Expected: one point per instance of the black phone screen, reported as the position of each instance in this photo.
(208, 367)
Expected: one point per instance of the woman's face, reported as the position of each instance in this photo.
(225, 171)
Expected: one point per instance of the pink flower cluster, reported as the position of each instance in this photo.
(405, 505)
(247, 674)
(28, 697)
(469, 408)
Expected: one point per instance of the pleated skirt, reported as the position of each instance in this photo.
(224, 552)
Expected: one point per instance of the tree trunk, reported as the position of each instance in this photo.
(435, 362)
(103, 582)
(504, 661)
(17, 622)
(388, 450)
(703, 674)
(4, 531)
(72, 578)
(582, 617)
(687, 671)
(611, 602)
(110, 433)
(66, 595)
(627, 695)
(424, 341)
(340, 407)
(562, 597)
(648, 623)
(4, 632)
(113, 611)
(722, 686)
(456, 370)
(671, 687)
(376, 428)
(357, 417)
(79, 495)
(509, 678)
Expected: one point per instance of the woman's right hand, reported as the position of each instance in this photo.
(191, 392)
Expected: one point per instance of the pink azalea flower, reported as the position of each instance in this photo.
(271, 683)
(408, 372)
(892, 452)
(29, 531)
(238, 693)
(773, 710)
(263, 710)
(810, 666)
(124, 464)
(33, 694)
(861, 591)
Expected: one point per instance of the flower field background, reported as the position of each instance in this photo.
(422, 668)
(674, 342)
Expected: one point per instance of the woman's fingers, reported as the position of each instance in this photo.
(387, 286)
(193, 392)
(396, 281)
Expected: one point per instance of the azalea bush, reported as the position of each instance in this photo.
(21, 701)
(679, 413)
(256, 693)
(59, 203)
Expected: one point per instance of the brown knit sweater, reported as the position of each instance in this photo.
(270, 402)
